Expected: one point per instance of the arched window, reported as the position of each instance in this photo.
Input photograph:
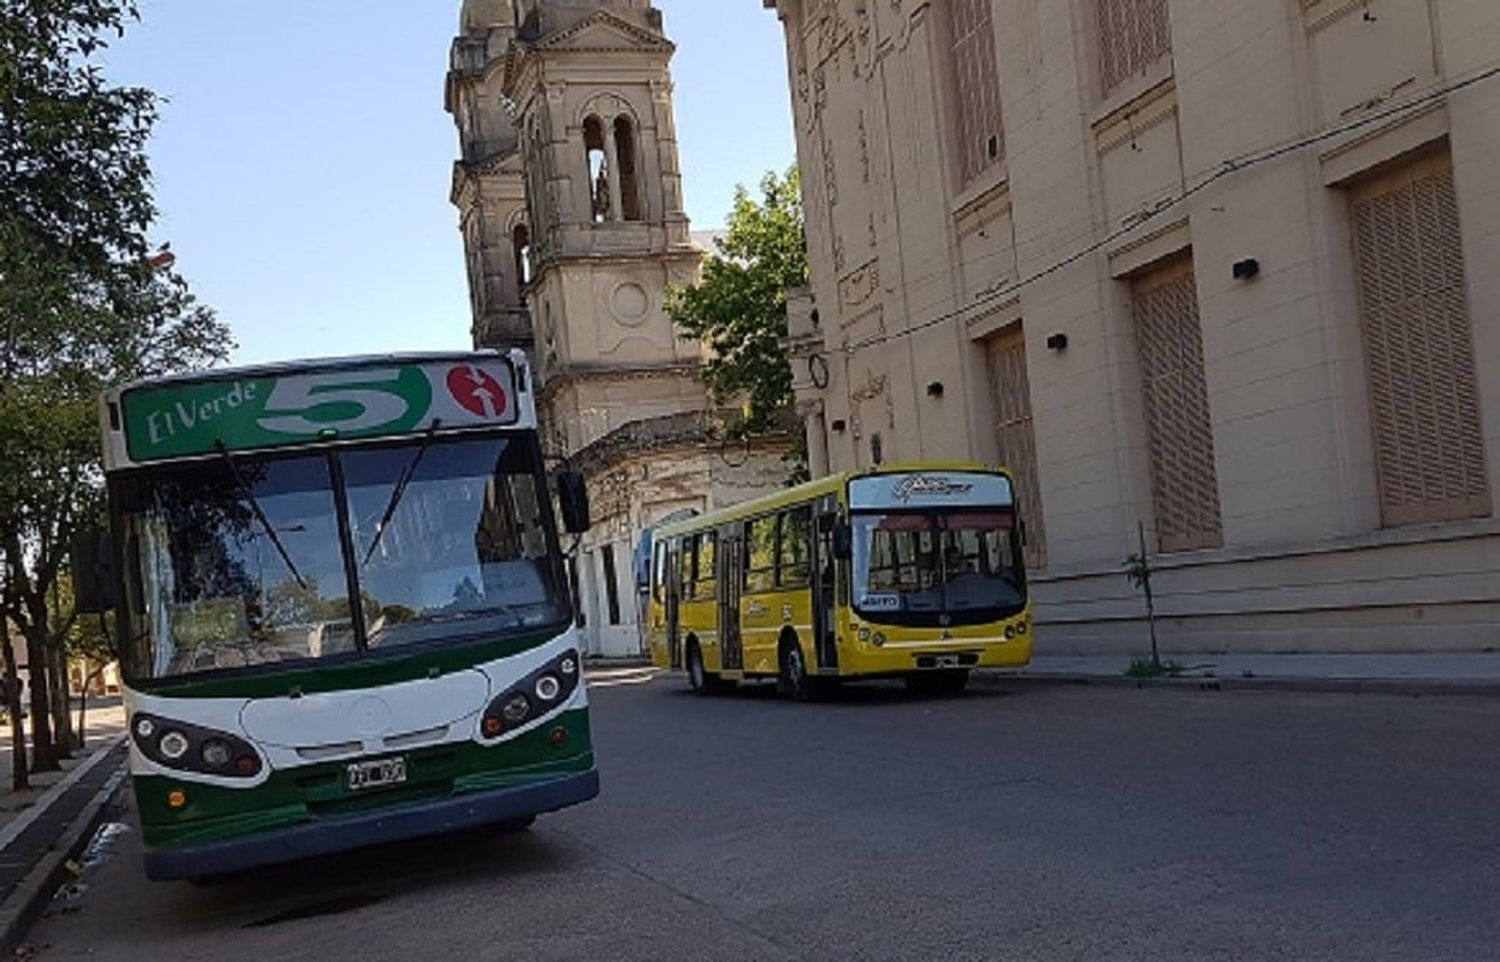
(630, 191)
(599, 172)
(520, 239)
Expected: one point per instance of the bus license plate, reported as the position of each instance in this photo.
(390, 771)
(945, 661)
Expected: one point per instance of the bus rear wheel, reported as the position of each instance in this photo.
(929, 683)
(793, 681)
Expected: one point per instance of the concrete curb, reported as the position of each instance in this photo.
(1413, 687)
(32, 894)
(606, 663)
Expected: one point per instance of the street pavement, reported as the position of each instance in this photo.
(1028, 822)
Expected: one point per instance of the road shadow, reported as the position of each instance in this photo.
(352, 881)
(860, 693)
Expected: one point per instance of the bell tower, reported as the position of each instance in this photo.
(489, 185)
(590, 88)
(570, 198)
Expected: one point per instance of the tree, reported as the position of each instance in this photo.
(738, 308)
(84, 303)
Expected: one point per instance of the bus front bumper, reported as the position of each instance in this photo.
(472, 810)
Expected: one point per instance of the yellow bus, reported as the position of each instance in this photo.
(907, 571)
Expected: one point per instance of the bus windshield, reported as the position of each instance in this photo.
(937, 567)
(243, 563)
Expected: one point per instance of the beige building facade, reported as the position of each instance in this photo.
(1222, 270)
(569, 193)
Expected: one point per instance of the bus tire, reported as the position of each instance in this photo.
(702, 681)
(793, 680)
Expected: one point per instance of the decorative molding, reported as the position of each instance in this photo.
(1403, 134)
(1125, 124)
(1319, 14)
(859, 286)
(984, 209)
(1145, 251)
(873, 388)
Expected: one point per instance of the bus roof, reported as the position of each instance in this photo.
(811, 491)
(296, 403)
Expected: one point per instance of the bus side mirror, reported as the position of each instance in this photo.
(573, 498)
(843, 541)
(92, 565)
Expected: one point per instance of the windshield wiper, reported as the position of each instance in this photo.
(399, 491)
(248, 494)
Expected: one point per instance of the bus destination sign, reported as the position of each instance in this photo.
(304, 405)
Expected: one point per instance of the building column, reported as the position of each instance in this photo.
(612, 157)
(817, 442)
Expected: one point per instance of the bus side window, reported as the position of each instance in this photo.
(707, 548)
(795, 548)
(760, 548)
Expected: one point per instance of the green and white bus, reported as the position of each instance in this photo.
(342, 605)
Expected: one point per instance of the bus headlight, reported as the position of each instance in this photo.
(1022, 628)
(194, 748)
(216, 753)
(173, 745)
(532, 698)
(517, 707)
(1010, 632)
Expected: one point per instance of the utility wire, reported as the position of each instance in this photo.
(1204, 181)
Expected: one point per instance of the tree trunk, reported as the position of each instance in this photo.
(20, 777)
(62, 719)
(83, 703)
(43, 749)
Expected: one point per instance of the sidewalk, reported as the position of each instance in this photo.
(1476, 673)
(105, 719)
(42, 828)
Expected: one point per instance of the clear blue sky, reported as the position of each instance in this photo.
(303, 159)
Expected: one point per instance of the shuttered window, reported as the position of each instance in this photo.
(975, 85)
(1184, 484)
(1014, 433)
(1133, 35)
(1419, 351)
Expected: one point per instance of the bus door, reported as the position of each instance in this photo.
(731, 560)
(823, 581)
(672, 595)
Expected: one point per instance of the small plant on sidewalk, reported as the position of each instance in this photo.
(1147, 668)
(1138, 569)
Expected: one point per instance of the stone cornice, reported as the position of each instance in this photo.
(689, 431)
(581, 373)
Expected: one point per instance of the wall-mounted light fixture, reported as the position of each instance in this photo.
(935, 389)
(1057, 342)
(1246, 269)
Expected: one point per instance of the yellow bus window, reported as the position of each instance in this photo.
(796, 548)
(760, 549)
(707, 548)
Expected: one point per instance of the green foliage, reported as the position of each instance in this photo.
(738, 308)
(83, 302)
(1151, 668)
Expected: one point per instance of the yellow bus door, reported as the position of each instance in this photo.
(673, 594)
(731, 558)
(823, 565)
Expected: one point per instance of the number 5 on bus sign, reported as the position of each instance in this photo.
(369, 406)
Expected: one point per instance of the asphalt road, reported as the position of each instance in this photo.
(1029, 823)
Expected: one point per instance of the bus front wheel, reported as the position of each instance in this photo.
(700, 679)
